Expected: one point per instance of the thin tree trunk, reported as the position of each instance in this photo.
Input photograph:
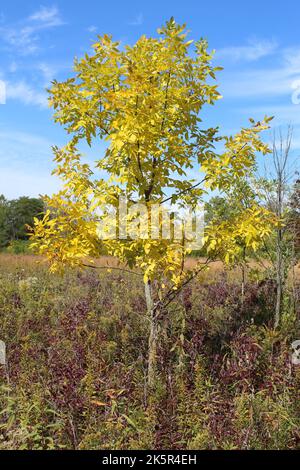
(278, 295)
(153, 334)
(243, 267)
(243, 283)
(294, 262)
(279, 257)
(280, 159)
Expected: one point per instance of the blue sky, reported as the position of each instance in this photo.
(257, 43)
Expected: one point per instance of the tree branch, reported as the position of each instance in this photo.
(191, 188)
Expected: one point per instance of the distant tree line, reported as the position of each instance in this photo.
(15, 217)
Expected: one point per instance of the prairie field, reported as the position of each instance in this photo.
(77, 363)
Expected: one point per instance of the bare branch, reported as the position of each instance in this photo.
(184, 191)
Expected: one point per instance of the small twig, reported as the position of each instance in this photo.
(191, 188)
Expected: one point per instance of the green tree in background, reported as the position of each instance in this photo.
(4, 238)
(15, 217)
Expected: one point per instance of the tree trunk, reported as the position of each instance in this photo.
(243, 267)
(294, 263)
(279, 257)
(153, 334)
(243, 283)
(279, 286)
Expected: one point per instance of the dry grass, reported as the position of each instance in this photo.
(216, 269)
(19, 261)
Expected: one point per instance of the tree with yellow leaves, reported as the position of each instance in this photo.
(145, 102)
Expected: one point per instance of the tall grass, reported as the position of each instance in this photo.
(77, 348)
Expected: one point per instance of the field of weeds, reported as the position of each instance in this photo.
(76, 364)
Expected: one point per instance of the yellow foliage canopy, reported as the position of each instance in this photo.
(145, 101)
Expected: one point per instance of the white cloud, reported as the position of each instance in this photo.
(255, 50)
(23, 40)
(264, 82)
(92, 29)
(48, 71)
(26, 94)
(47, 16)
(2, 92)
(23, 37)
(138, 20)
(256, 83)
(36, 78)
(283, 114)
(23, 138)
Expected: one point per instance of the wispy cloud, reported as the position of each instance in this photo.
(256, 83)
(92, 29)
(254, 50)
(23, 36)
(24, 138)
(48, 72)
(265, 82)
(47, 16)
(137, 21)
(26, 94)
(284, 114)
